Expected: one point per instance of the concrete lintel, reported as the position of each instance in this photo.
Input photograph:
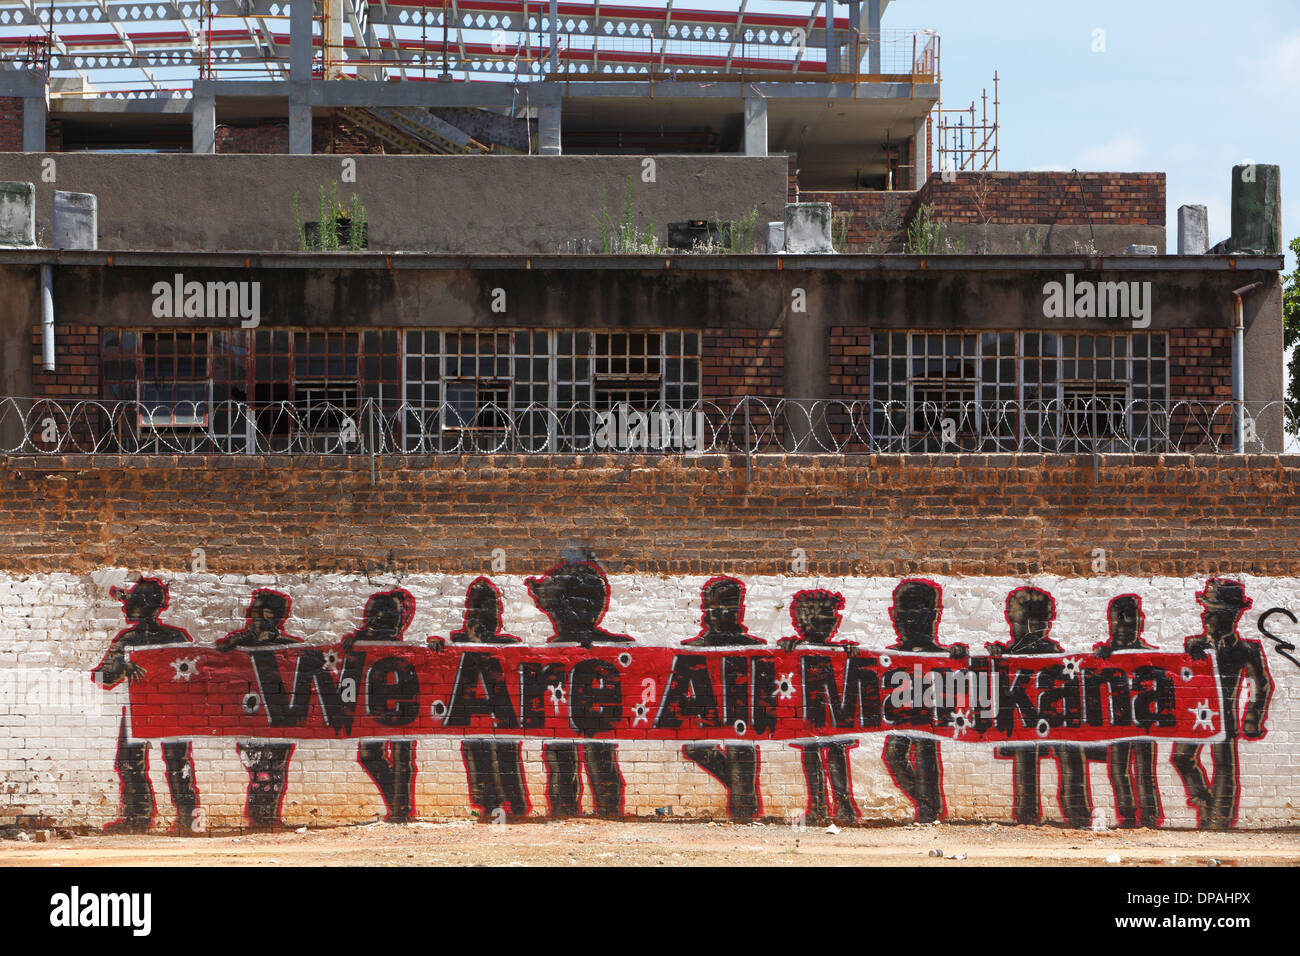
(667, 90)
(375, 93)
(177, 105)
(1250, 267)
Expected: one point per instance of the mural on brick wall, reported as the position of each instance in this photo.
(721, 696)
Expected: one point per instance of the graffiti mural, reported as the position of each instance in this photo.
(389, 763)
(915, 762)
(1237, 661)
(718, 697)
(141, 606)
(267, 761)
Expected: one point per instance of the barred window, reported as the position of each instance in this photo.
(1003, 390)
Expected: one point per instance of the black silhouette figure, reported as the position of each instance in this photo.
(1029, 613)
(494, 767)
(267, 762)
(1131, 765)
(735, 766)
(1223, 602)
(574, 595)
(390, 763)
(722, 615)
(141, 606)
(915, 763)
(816, 618)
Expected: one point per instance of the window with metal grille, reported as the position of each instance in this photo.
(1001, 390)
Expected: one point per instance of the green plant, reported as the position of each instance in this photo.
(739, 233)
(621, 236)
(840, 231)
(331, 213)
(302, 230)
(924, 235)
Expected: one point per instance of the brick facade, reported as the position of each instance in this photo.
(1116, 199)
(76, 360)
(11, 124)
(268, 137)
(877, 221)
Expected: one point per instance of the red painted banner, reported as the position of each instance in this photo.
(385, 691)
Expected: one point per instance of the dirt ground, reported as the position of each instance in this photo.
(600, 843)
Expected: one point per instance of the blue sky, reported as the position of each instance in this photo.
(1186, 88)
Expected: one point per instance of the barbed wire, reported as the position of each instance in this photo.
(752, 425)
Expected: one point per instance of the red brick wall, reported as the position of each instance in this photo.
(268, 137)
(878, 515)
(76, 360)
(792, 178)
(1200, 373)
(877, 220)
(738, 362)
(1115, 199)
(11, 124)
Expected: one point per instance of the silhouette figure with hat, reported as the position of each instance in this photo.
(1237, 659)
(141, 605)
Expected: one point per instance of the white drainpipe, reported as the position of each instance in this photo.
(1238, 365)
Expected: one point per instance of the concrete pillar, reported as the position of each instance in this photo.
(554, 15)
(332, 47)
(299, 120)
(755, 126)
(300, 17)
(548, 131)
(855, 36)
(832, 43)
(17, 214)
(76, 221)
(34, 124)
(873, 35)
(807, 366)
(1257, 208)
(203, 125)
(1193, 230)
(300, 20)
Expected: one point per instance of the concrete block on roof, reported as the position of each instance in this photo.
(808, 228)
(76, 220)
(775, 237)
(1193, 230)
(17, 214)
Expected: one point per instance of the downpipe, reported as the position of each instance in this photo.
(1238, 364)
(47, 317)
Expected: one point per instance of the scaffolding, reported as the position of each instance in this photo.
(964, 141)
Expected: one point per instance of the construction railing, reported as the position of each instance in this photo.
(750, 426)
